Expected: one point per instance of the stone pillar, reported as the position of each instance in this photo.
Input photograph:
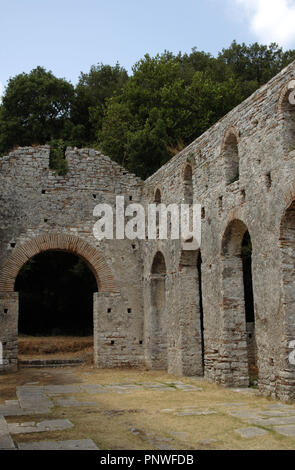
(8, 330)
(184, 333)
(117, 339)
(233, 354)
(155, 323)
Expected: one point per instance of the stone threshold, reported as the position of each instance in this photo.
(50, 362)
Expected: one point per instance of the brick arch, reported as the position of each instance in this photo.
(57, 242)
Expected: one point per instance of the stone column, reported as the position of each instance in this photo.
(233, 354)
(155, 323)
(184, 325)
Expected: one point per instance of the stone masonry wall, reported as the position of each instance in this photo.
(187, 319)
(40, 211)
(259, 198)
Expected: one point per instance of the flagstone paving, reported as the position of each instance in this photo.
(286, 430)
(79, 444)
(5, 439)
(251, 432)
(58, 402)
(43, 426)
(71, 401)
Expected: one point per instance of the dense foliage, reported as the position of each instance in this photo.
(141, 120)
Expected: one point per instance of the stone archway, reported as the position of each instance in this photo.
(286, 116)
(234, 350)
(20, 255)
(70, 243)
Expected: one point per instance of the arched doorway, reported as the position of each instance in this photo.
(238, 352)
(55, 307)
(26, 250)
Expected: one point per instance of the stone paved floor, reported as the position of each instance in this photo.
(34, 399)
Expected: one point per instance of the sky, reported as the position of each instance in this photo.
(68, 36)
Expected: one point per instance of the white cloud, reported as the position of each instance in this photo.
(271, 20)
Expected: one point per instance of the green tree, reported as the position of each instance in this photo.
(35, 109)
(172, 99)
(145, 117)
(91, 93)
(256, 62)
(142, 120)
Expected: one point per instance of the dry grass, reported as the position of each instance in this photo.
(55, 347)
(110, 423)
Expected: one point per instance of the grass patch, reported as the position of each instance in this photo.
(55, 347)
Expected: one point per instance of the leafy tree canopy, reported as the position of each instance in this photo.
(35, 108)
(142, 120)
(92, 90)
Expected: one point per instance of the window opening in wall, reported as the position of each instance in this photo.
(231, 159)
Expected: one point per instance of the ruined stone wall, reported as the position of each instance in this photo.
(260, 131)
(41, 211)
(190, 317)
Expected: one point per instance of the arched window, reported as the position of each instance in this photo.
(286, 115)
(159, 265)
(158, 196)
(231, 158)
(188, 184)
(157, 200)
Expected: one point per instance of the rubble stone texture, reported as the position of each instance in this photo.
(158, 304)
